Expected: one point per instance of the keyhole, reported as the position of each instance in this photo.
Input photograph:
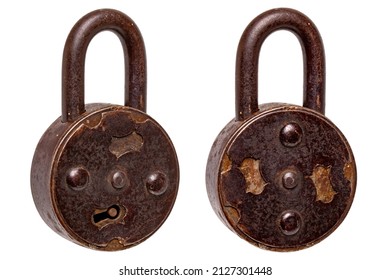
(110, 214)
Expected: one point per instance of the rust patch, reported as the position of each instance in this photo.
(226, 164)
(321, 180)
(349, 171)
(127, 144)
(232, 214)
(255, 183)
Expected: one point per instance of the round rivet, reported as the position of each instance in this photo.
(113, 212)
(119, 179)
(291, 135)
(77, 177)
(290, 222)
(156, 183)
(290, 179)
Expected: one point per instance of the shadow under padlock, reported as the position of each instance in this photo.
(104, 176)
(281, 176)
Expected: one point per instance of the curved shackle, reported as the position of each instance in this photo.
(73, 63)
(248, 56)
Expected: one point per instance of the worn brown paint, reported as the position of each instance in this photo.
(322, 183)
(281, 176)
(255, 183)
(349, 172)
(104, 176)
(122, 145)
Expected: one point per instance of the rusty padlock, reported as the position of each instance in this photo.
(104, 176)
(281, 176)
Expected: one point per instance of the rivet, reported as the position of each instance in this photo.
(113, 212)
(77, 177)
(291, 135)
(290, 179)
(290, 222)
(119, 179)
(156, 183)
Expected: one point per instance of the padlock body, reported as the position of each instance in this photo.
(283, 179)
(106, 181)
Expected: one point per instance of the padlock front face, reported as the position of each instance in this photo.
(115, 179)
(286, 179)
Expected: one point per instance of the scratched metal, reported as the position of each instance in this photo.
(281, 176)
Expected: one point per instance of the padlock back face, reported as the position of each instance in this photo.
(281, 176)
(285, 177)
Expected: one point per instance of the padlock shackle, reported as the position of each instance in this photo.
(248, 56)
(73, 63)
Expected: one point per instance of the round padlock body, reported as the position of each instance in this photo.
(286, 178)
(113, 180)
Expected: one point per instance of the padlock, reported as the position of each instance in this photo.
(281, 176)
(104, 176)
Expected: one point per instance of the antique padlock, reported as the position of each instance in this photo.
(281, 176)
(104, 176)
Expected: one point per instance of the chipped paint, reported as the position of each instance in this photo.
(232, 214)
(226, 165)
(255, 183)
(322, 183)
(139, 118)
(127, 144)
(93, 121)
(115, 244)
(349, 171)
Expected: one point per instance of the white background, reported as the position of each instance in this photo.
(191, 49)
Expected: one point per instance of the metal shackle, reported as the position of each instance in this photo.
(73, 63)
(248, 56)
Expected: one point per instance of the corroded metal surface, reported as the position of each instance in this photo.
(302, 179)
(248, 58)
(105, 176)
(281, 176)
(73, 60)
